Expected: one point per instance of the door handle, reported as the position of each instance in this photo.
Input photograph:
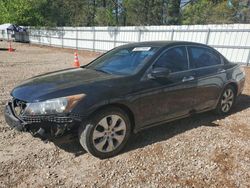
(188, 78)
(221, 70)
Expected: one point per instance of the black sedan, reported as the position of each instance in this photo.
(124, 91)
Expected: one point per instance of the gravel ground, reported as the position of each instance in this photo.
(201, 151)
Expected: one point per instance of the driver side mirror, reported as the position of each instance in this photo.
(160, 72)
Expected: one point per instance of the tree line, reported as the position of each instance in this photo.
(123, 12)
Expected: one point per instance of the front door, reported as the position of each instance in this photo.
(161, 99)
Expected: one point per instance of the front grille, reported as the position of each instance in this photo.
(18, 106)
(53, 119)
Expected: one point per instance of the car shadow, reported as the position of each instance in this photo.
(69, 143)
(159, 133)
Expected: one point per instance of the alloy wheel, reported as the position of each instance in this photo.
(227, 100)
(109, 133)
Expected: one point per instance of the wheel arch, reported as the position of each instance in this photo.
(234, 85)
(231, 83)
(123, 107)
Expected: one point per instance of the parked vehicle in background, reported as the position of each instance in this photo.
(127, 89)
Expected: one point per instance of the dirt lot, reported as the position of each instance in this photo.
(200, 151)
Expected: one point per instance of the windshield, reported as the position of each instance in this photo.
(125, 61)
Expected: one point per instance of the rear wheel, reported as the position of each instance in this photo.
(106, 133)
(226, 101)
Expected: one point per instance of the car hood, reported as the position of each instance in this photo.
(58, 84)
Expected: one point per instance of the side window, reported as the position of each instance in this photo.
(202, 57)
(175, 59)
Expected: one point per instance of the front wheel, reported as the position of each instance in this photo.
(226, 101)
(106, 133)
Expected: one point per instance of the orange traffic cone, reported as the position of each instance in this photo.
(10, 47)
(76, 61)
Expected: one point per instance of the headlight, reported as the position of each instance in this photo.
(53, 106)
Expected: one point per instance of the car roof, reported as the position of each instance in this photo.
(162, 43)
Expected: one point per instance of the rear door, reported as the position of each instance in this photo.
(210, 74)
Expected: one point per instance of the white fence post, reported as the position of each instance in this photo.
(139, 35)
(62, 36)
(94, 37)
(115, 34)
(76, 38)
(208, 35)
(50, 42)
(248, 58)
(40, 36)
(172, 34)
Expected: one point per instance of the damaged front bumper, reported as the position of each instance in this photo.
(46, 127)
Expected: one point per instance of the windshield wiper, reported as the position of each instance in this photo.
(100, 70)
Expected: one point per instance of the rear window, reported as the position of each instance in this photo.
(203, 57)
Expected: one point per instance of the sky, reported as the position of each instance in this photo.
(183, 2)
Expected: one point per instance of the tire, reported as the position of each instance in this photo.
(106, 132)
(226, 101)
